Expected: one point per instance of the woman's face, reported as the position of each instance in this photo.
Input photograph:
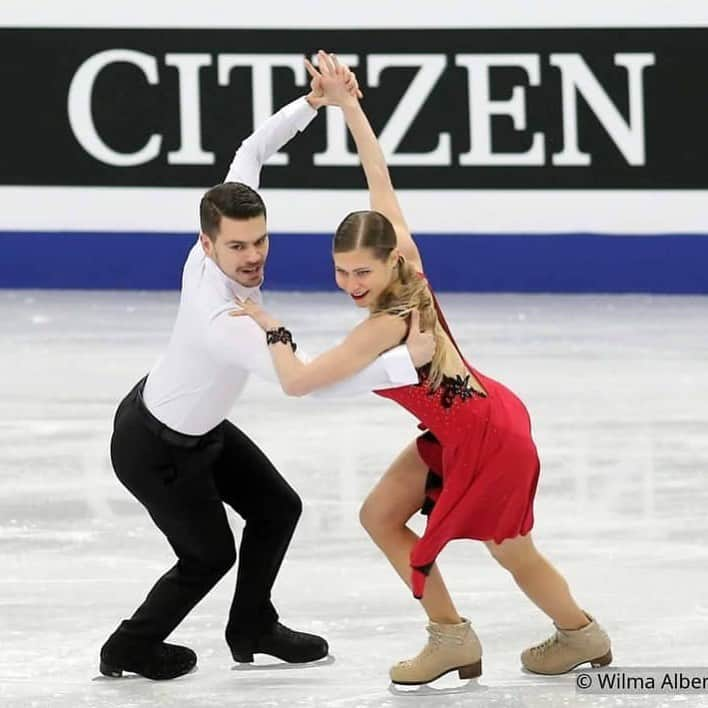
(362, 276)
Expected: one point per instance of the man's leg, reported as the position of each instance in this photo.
(248, 482)
(177, 488)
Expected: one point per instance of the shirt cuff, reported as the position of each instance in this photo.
(399, 367)
(300, 113)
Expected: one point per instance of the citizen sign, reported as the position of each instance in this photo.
(195, 69)
(454, 108)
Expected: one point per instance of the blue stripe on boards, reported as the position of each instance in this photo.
(575, 262)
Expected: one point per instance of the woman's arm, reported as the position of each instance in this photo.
(381, 193)
(361, 347)
(382, 196)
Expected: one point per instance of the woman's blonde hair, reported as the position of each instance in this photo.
(406, 292)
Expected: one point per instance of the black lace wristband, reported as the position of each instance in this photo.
(273, 336)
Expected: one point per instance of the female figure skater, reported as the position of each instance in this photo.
(474, 471)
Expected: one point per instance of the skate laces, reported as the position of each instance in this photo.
(436, 640)
(431, 646)
(545, 645)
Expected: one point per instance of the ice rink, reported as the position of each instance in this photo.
(617, 389)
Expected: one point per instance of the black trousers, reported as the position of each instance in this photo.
(183, 482)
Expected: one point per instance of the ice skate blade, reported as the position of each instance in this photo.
(430, 689)
(113, 672)
(278, 665)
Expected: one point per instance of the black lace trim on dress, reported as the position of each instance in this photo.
(428, 506)
(433, 481)
(451, 387)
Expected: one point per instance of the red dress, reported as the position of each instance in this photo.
(483, 462)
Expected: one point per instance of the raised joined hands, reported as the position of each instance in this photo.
(333, 83)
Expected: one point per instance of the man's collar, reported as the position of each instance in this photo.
(230, 287)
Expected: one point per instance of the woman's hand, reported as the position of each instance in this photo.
(334, 84)
(251, 309)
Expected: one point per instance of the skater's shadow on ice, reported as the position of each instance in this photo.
(567, 678)
(282, 666)
(472, 686)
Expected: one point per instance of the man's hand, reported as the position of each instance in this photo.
(421, 345)
(334, 84)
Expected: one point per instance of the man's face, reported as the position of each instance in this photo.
(240, 249)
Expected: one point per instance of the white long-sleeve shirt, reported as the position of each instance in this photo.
(199, 378)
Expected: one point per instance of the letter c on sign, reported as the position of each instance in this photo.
(79, 107)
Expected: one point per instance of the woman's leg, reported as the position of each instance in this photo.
(541, 582)
(578, 638)
(397, 496)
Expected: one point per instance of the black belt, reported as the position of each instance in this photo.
(171, 437)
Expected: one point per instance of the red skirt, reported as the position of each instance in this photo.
(483, 486)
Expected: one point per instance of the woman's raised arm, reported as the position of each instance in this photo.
(381, 193)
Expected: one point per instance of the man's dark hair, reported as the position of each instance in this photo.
(231, 199)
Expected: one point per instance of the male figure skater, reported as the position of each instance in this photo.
(174, 450)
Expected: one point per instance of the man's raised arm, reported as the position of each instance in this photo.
(268, 138)
(279, 129)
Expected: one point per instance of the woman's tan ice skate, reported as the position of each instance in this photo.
(568, 648)
(450, 647)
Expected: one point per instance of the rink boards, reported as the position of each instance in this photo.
(455, 262)
(558, 150)
(481, 241)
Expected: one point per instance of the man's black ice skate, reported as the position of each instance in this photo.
(281, 642)
(154, 660)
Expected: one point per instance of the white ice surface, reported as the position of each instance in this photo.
(617, 387)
